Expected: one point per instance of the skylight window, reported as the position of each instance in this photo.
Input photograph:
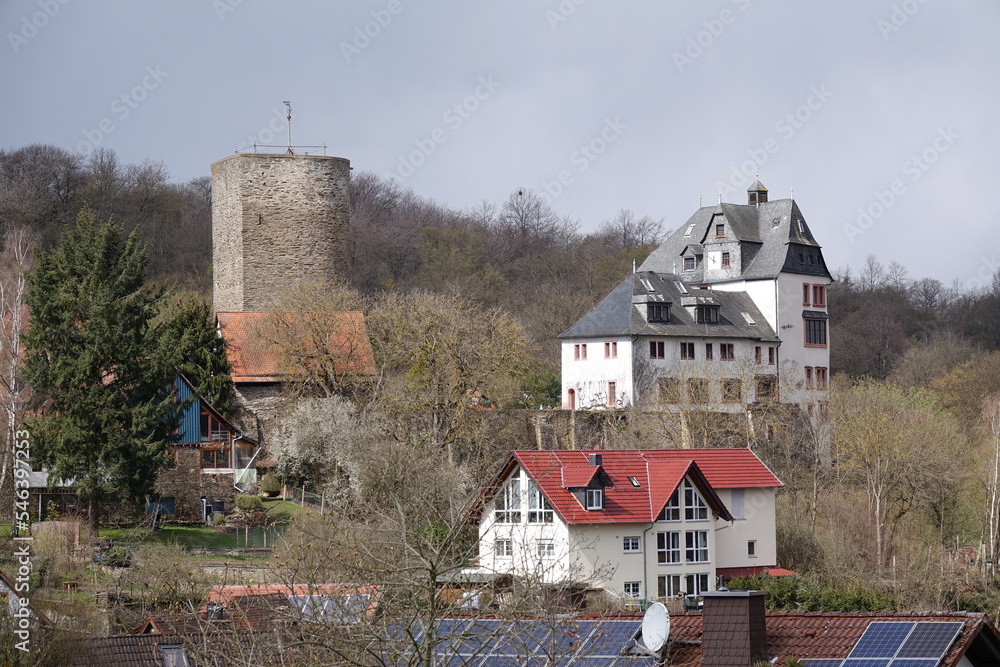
(680, 286)
(689, 230)
(749, 319)
(634, 481)
(647, 285)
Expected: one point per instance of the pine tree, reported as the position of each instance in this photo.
(99, 374)
(190, 336)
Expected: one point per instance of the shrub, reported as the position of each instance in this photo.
(270, 485)
(219, 519)
(249, 503)
(117, 556)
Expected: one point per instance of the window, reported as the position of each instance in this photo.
(698, 390)
(173, 656)
(725, 260)
(580, 351)
(819, 295)
(631, 589)
(696, 546)
(539, 509)
(657, 312)
(212, 430)
(668, 548)
(612, 393)
(708, 351)
(546, 549)
(707, 314)
(633, 481)
(809, 408)
(770, 356)
(727, 352)
(749, 320)
(668, 585)
(611, 350)
(504, 549)
(751, 548)
(720, 231)
(668, 390)
(672, 510)
(823, 411)
(170, 456)
(737, 503)
(689, 263)
(688, 231)
(215, 457)
(815, 333)
(697, 584)
(805, 291)
(630, 545)
(776, 432)
(757, 354)
(809, 377)
(821, 378)
(508, 502)
(687, 351)
(695, 508)
(801, 259)
(732, 391)
(767, 388)
(595, 499)
(656, 349)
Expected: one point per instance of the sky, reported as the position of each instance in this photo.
(880, 117)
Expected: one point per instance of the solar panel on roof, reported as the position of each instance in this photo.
(822, 662)
(610, 637)
(881, 640)
(915, 662)
(930, 640)
(866, 662)
(567, 637)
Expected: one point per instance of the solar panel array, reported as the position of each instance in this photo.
(498, 643)
(898, 644)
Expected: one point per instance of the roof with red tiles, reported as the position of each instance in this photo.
(228, 596)
(814, 635)
(253, 359)
(752, 571)
(657, 473)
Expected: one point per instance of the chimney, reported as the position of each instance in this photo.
(733, 628)
(595, 459)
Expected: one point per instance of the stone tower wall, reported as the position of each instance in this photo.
(277, 220)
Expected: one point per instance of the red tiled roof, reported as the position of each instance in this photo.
(252, 359)
(227, 596)
(657, 472)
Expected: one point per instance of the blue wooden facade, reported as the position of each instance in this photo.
(189, 429)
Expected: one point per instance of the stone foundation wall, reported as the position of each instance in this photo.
(187, 483)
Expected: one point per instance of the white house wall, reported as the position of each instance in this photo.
(758, 524)
(589, 377)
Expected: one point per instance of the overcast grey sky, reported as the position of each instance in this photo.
(887, 107)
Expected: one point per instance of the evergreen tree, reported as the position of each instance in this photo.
(190, 337)
(98, 371)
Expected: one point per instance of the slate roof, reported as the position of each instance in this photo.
(623, 312)
(658, 472)
(769, 236)
(253, 360)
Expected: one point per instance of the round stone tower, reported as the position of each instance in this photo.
(277, 220)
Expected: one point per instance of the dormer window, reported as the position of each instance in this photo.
(707, 314)
(657, 312)
(595, 499)
(689, 263)
(720, 231)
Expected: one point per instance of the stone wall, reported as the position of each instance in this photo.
(187, 484)
(277, 220)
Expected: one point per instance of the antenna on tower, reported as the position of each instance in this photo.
(288, 104)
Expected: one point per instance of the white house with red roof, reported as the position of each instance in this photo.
(642, 524)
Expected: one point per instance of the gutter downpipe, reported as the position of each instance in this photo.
(645, 551)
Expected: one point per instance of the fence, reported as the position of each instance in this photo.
(303, 498)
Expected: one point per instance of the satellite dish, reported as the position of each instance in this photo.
(655, 627)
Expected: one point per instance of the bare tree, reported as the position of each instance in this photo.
(15, 264)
